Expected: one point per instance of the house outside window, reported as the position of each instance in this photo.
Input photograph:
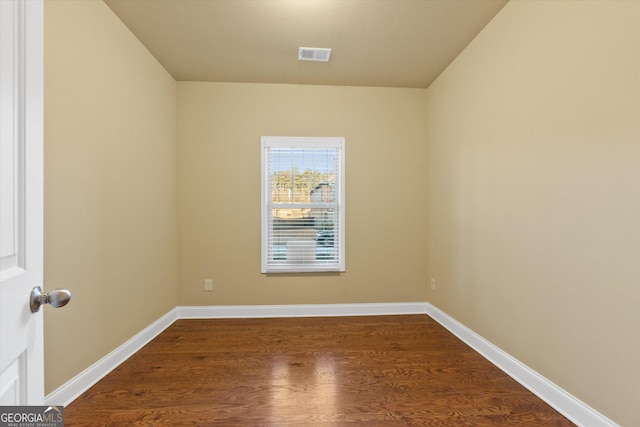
(302, 204)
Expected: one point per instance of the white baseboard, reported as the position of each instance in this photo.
(73, 388)
(568, 405)
(300, 310)
(571, 407)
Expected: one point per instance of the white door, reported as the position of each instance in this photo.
(21, 202)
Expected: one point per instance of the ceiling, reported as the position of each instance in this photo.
(387, 43)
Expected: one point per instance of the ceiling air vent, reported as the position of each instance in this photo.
(314, 54)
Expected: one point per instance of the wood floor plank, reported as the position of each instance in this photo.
(354, 371)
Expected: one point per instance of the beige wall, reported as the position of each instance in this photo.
(534, 201)
(219, 129)
(110, 186)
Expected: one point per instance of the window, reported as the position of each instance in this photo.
(302, 204)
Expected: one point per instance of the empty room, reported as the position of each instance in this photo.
(339, 212)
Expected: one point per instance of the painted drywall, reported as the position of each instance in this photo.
(219, 130)
(533, 198)
(110, 186)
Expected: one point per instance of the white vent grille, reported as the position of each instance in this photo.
(313, 54)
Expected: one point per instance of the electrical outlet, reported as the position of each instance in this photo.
(433, 284)
(208, 284)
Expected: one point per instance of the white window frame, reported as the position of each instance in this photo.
(268, 142)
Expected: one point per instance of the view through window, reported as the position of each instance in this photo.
(302, 209)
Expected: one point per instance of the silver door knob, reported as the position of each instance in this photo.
(56, 298)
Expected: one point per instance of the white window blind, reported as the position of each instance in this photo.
(302, 204)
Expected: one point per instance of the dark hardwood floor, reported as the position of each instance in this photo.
(331, 371)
